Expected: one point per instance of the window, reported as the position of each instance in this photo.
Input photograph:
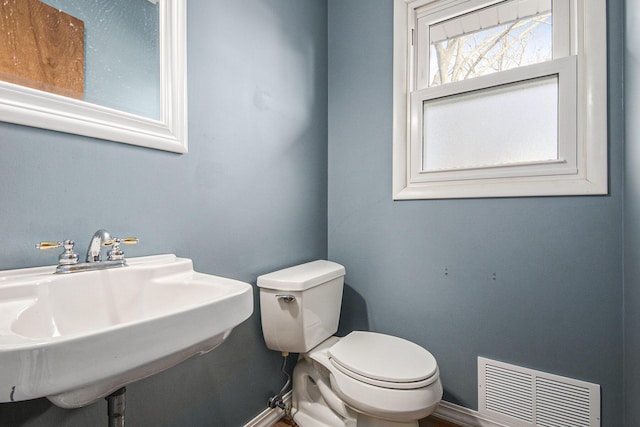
(499, 98)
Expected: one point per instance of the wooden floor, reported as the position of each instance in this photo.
(429, 422)
(437, 422)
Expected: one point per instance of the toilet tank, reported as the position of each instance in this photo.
(300, 305)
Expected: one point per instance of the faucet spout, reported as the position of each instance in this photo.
(95, 246)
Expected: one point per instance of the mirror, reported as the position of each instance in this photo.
(137, 96)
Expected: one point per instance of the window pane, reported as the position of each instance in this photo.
(498, 126)
(508, 35)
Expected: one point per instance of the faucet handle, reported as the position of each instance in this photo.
(48, 245)
(68, 257)
(116, 254)
(117, 241)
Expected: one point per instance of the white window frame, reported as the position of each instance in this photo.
(582, 132)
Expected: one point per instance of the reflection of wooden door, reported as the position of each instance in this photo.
(41, 47)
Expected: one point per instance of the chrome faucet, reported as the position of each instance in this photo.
(99, 239)
(68, 260)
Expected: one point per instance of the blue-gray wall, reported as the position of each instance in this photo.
(532, 281)
(248, 198)
(632, 217)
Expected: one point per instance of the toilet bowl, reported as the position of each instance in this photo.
(364, 379)
(375, 375)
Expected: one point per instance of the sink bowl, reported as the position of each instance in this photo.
(75, 338)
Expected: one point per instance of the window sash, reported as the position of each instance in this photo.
(429, 14)
(566, 164)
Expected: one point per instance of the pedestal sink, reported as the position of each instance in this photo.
(75, 338)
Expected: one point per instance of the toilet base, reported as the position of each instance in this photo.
(315, 404)
(304, 419)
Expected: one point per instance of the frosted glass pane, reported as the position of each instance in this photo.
(498, 126)
(508, 35)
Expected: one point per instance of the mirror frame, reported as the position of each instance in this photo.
(32, 107)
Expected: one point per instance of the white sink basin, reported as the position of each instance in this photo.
(78, 337)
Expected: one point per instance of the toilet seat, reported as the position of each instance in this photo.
(384, 361)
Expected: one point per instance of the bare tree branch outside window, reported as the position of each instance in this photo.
(502, 47)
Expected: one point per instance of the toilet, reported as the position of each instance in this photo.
(364, 379)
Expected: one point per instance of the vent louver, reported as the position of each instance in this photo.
(523, 397)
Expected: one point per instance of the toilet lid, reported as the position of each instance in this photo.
(383, 358)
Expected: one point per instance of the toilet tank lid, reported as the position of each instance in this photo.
(301, 277)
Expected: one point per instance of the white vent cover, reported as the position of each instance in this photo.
(522, 397)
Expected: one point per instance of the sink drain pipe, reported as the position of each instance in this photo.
(115, 407)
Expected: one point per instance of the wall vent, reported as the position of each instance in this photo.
(522, 397)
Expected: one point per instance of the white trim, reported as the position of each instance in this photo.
(269, 416)
(45, 110)
(463, 416)
(400, 98)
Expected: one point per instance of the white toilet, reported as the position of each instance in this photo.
(364, 379)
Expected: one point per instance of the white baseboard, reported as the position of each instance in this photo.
(464, 416)
(269, 416)
(446, 411)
